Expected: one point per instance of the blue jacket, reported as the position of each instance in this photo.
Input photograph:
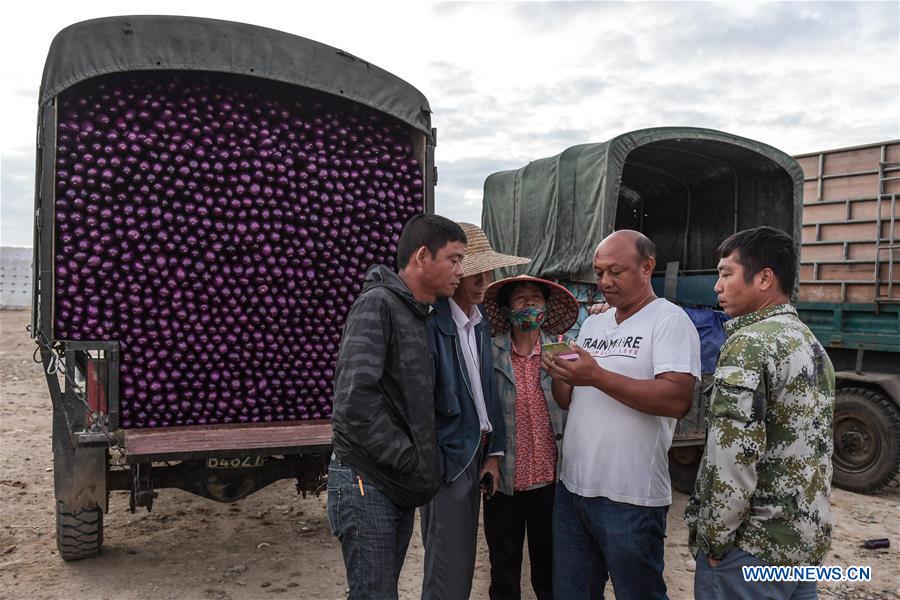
(456, 421)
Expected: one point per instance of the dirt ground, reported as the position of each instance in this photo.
(274, 543)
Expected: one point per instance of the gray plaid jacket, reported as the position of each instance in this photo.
(506, 389)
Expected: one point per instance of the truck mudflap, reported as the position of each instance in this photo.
(79, 474)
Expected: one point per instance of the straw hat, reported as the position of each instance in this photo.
(480, 257)
(563, 305)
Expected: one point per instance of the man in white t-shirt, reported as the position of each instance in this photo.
(635, 375)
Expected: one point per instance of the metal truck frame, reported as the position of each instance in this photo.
(92, 454)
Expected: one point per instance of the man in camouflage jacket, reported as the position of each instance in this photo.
(762, 493)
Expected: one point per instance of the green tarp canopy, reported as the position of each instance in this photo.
(685, 188)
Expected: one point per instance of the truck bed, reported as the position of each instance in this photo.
(200, 441)
(851, 230)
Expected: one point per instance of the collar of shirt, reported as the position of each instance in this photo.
(468, 341)
(534, 350)
(736, 323)
(461, 319)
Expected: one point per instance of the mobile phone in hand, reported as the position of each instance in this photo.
(487, 486)
(560, 350)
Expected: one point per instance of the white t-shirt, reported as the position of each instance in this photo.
(612, 450)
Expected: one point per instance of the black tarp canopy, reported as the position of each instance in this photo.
(152, 43)
(686, 188)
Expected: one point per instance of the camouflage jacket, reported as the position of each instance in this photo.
(765, 477)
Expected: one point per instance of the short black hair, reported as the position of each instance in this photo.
(764, 247)
(645, 247)
(507, 290)
(432, 231)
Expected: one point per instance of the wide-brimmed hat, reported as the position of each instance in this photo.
(480, 257)
(563, 305)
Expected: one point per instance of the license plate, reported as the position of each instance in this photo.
(240, 462)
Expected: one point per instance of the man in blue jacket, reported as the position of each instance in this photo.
(469, 422)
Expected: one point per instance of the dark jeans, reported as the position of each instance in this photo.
(374, 533)
(726, 580)
(506, 520)
(596, 539)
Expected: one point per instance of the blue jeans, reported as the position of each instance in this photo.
(726, 580)
(596, 539)
(373, 531)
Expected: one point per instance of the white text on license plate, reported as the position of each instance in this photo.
(239, 462)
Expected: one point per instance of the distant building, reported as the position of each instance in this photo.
(15, 277)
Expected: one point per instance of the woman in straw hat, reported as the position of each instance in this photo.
(526, 312)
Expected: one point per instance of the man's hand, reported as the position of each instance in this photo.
(598, 309)
(492, 466)
(668, 394)
(583, 371)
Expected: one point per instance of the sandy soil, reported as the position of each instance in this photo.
(274, 543)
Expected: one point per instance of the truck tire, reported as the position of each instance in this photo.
(684, 461)
(79, 534)
(866, 440)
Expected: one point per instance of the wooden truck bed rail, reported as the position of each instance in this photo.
(851, 229)
(201, 441)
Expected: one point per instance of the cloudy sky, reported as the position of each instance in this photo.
(511, 82)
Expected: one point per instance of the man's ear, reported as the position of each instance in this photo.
(421, 254)
(765, 279)
(649, 265)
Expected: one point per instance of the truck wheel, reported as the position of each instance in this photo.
(684, 461)
(866, 440)
(79, 534)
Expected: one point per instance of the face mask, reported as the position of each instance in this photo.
(526, 319)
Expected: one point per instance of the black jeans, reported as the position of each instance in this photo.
(506, 520)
